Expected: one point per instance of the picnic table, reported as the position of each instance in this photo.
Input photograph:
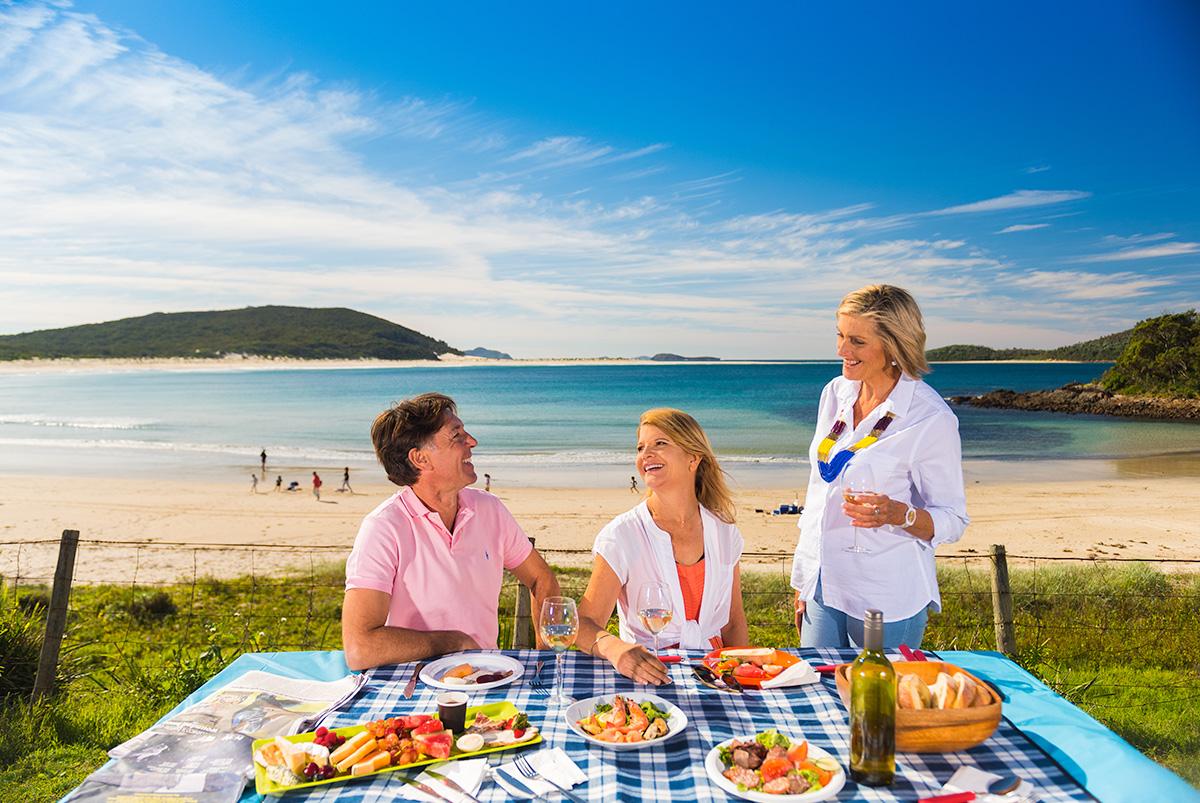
(1043, 738)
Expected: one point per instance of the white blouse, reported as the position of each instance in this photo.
(918, 460)
(639, 552)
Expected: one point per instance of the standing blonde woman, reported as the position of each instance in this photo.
(682, 535)
(878, 420)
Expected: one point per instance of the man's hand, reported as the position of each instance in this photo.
(636, 663)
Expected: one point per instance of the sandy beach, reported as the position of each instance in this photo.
(1148, 517)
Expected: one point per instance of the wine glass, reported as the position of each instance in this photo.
(654, 608)
(559, 625)
(857, 479)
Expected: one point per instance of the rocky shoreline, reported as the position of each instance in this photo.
(1088, 399)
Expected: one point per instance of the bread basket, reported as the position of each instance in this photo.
(935, 730)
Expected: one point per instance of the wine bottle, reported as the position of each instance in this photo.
(872, 709)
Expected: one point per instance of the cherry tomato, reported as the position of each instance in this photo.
(798, 752)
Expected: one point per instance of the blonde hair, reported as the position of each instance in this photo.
(898, 320)
(711, 490)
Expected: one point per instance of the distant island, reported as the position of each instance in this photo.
(297, 332)
(487, 354)
(1102, 349)
(668, 357)
(1156, 375)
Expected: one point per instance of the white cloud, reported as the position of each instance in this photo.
(1083, 286)
(1138, 239)
(1021, 199)
(1149, 252)
(1022, 227)
(1036, 169)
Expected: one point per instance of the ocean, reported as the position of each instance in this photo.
(542, 425)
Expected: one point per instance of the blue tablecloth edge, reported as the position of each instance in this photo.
(1102, 762)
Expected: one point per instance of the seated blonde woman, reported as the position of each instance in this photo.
(681, 535)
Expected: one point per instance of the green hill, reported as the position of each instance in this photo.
(330, 333)
(1161, 358)
(1102, 349)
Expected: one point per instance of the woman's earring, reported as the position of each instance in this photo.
(893, 363)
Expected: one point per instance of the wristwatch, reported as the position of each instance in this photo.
(910, 516)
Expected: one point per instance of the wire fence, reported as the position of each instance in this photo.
(1081, 624)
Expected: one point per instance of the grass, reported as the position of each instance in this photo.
(1119, 641)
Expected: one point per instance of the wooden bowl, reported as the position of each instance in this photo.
(935, 730)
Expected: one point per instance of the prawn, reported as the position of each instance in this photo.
(616, 717)
(638, 721)
(610, 735)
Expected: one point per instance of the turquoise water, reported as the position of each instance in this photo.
(535, 423)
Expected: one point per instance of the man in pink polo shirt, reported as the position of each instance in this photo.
(424, 575)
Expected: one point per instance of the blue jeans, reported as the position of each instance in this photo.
(828, 627)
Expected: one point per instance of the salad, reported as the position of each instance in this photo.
(625, 721)
(774, 764)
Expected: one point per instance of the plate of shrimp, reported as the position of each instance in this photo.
(625, 721)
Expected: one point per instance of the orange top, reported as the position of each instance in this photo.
(691, 583)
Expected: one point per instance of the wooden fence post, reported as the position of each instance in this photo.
(1002, 614)
(56, 617)
(522, 637)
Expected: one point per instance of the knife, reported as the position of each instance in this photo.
(426, 788)
(453, 784)
(517, 783)
(412, 681)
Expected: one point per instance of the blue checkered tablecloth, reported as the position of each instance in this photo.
(675, 769)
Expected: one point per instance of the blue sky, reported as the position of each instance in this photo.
(567, 180)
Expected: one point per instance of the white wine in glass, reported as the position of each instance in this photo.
(559, 625)
(857, 479)
(654, 609)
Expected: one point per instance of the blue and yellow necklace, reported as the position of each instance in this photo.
(830, 469)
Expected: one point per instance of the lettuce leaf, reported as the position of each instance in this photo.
(773, 738)
(651, 712)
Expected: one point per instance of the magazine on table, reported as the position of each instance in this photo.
(214, 735)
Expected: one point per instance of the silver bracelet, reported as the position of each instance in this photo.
(595, 643)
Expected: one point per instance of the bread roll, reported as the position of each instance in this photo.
(912, 692)
(965, 691)
(943, 691)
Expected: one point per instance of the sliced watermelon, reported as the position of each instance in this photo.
(428, 726)
(414, 721)
(436, 745)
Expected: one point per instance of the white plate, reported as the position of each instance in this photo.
(676, 719)
(712, 763)
(489, 661)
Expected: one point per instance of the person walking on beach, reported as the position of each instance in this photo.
(886, 485)
(263, 457)
(633, 485)
(253, 483)
(487, 483)
(346, 481)
(278, 483)
(425, 573)
(317, 486)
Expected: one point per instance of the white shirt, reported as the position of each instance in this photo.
(639, 552)
(917, 460)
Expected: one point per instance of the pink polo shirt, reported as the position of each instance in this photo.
(438, 580)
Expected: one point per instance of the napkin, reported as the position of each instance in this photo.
(973, 779)
(798, 674)
(467, 773)
(553, 763)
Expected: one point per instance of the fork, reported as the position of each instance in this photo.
(526, 769)
(535, 683)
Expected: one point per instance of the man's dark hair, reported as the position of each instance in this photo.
(405, 426)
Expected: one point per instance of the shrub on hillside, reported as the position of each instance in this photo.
(1162, 358)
